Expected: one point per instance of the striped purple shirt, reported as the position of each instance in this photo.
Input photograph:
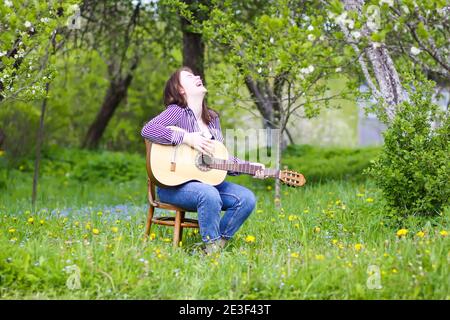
(155, 130)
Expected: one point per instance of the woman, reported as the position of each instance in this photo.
(186, 108)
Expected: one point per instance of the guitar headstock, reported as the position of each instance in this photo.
(292, 178)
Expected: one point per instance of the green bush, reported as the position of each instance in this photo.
(412, 169)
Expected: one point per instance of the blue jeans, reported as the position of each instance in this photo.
(237, 201)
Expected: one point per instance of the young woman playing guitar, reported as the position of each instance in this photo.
(186, 108)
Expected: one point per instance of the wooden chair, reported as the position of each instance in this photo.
(178, 221)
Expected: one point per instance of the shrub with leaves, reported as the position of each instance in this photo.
(413, 170)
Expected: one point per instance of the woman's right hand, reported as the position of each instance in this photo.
(199, 142)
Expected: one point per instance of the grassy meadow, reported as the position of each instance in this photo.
(330, 240)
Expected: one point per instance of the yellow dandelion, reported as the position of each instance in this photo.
(42, 222)
(402, 232)
(159, 256)
(250, 239)
(157, 251)
(316, 229)
(269, 188)
(99, 213)
(95, 231)
(88, 226)
(394, 270)
(11, 230)
(350, 265)
(195, 231)
(334, 241)
(320, 257)
(369, 200)
(358, 246)
(297, 225)
(292, 217)
(259, 211)
(295, 255)
(76, 223)
(114, 229)
(443, 233)
(30, 220)
(215, 262)
(420, 234)
(152, 236)
(166, 240)
(385, 255)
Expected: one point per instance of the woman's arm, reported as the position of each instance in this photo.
(155, 130)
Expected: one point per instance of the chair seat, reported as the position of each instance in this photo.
(168, 206)
(170, 221)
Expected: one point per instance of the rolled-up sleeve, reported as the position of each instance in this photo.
(155, 130)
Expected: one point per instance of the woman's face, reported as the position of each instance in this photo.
(192, 85)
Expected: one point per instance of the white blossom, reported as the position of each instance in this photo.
(271, 40)
(259, 70)
(44, 20)
(356, 34)
(8, 3)
(415, 51)
(27, 24)
(311, 37)
(310, 28)
(3, 53)
(307, 70)
(339, 69)
(390, 3)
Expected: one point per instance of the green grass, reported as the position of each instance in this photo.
(318, 246)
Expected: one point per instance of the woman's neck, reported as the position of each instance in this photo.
(195, 103)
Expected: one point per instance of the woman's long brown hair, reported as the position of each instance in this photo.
(172, 95)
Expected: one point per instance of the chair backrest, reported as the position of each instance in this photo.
(151, 185)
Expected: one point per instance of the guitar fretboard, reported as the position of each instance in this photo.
(247, 168)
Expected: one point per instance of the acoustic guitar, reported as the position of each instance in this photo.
(175, 165)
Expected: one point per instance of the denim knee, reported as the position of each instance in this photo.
(249, 200)
(211, 196)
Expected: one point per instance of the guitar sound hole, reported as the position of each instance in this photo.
(202, 162)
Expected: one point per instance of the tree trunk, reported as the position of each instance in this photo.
(193, 45)
(116, 93)
(386, 75)
(38, 150)
(2, 138)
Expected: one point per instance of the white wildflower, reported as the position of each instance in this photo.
(339, 69)
(27, 24)
(271, 40)
(311, 37)
(8, 3)
(3, 53)
(310, 28)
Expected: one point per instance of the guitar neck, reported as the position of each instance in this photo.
(247, 168)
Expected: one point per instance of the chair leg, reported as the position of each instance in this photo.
(176, 231)
(182, 214)
(148, 226)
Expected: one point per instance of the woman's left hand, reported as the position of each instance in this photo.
(260, 173)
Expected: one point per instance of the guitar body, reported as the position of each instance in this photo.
(175, 165)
